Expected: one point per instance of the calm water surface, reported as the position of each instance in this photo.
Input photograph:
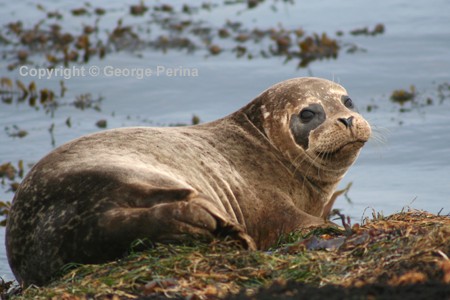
(407, 163)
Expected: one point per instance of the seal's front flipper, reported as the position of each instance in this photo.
(171, 222)
(225, 226)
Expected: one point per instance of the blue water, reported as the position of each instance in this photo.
(407, 163)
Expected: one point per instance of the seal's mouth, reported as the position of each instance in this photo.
(348, 148)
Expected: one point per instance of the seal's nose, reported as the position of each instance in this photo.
(347, 122)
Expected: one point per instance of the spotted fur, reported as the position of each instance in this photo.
(252, 175)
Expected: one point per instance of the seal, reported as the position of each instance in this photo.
(265, 170)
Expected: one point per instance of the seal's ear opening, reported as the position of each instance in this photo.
(302, 123)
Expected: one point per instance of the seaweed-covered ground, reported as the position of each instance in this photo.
(405, 255)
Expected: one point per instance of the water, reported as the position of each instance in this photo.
(410, 167)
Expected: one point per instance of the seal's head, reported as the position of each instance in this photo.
(314, 124)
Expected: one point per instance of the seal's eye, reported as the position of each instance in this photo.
(348, 102)
(305, 121)
(307, 115)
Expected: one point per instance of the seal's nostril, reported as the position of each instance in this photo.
(347, 122)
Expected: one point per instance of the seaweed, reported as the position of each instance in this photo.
(382, 255)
